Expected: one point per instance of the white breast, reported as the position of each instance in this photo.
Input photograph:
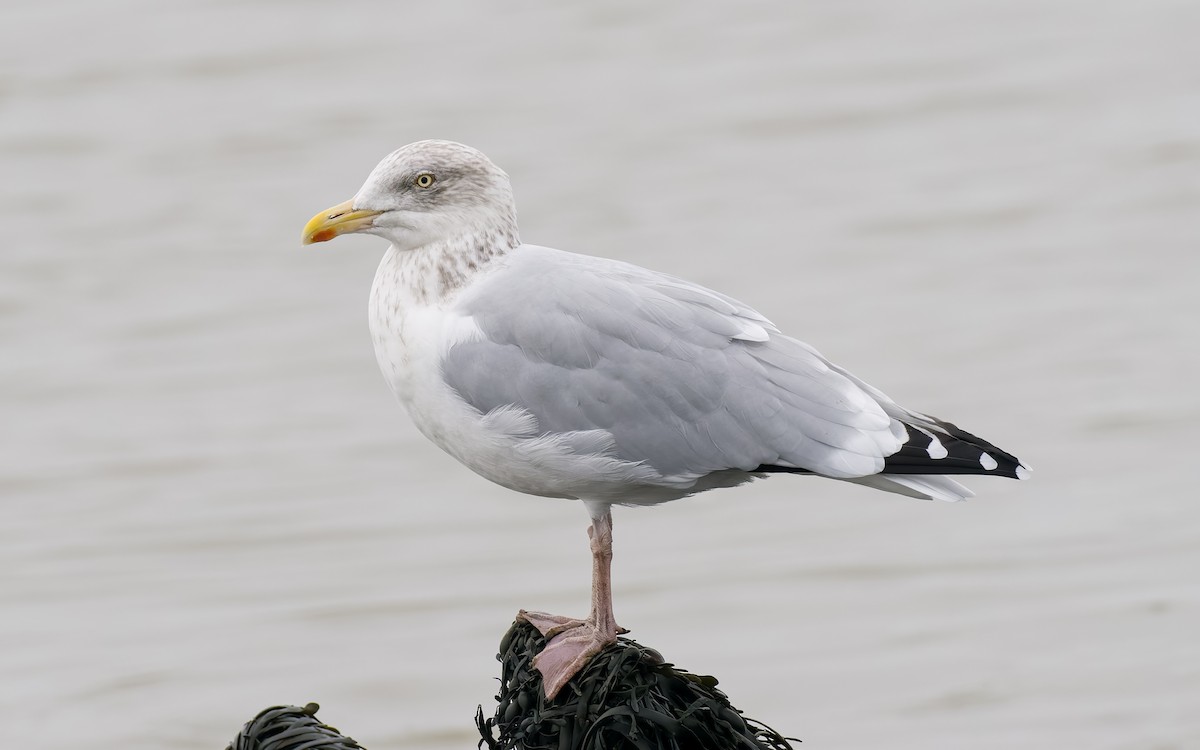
(412, 332)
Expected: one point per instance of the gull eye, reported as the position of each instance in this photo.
(424, 180)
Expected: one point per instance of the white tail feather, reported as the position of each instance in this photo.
(921, 486)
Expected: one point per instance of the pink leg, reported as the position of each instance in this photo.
(571, 643)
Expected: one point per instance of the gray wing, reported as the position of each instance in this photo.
(686, 380)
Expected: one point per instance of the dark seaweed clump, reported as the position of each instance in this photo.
(626, 698)
(290, 728)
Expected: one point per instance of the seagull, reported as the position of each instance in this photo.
(571, 376)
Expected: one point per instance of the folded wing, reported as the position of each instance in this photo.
(686, 380)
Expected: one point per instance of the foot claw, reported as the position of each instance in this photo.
(570, 645)
(548, 625)
(567, 653)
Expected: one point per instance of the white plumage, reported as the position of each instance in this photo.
(570, 376)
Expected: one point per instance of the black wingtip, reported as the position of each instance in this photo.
(944, 448)
(939, 448)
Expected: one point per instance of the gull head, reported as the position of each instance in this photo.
(425, 193)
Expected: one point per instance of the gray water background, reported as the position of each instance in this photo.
(211, 503)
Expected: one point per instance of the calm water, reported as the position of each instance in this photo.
(211, 503)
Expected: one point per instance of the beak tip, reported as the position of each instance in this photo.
(320, 235)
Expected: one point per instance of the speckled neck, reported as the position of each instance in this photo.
(434, 273)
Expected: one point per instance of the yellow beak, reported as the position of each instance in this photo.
(341, 219)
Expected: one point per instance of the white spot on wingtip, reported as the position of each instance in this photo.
(987, 462)
(1023, 471)
(936, 449)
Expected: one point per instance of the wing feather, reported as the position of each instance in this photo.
(686, 380)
